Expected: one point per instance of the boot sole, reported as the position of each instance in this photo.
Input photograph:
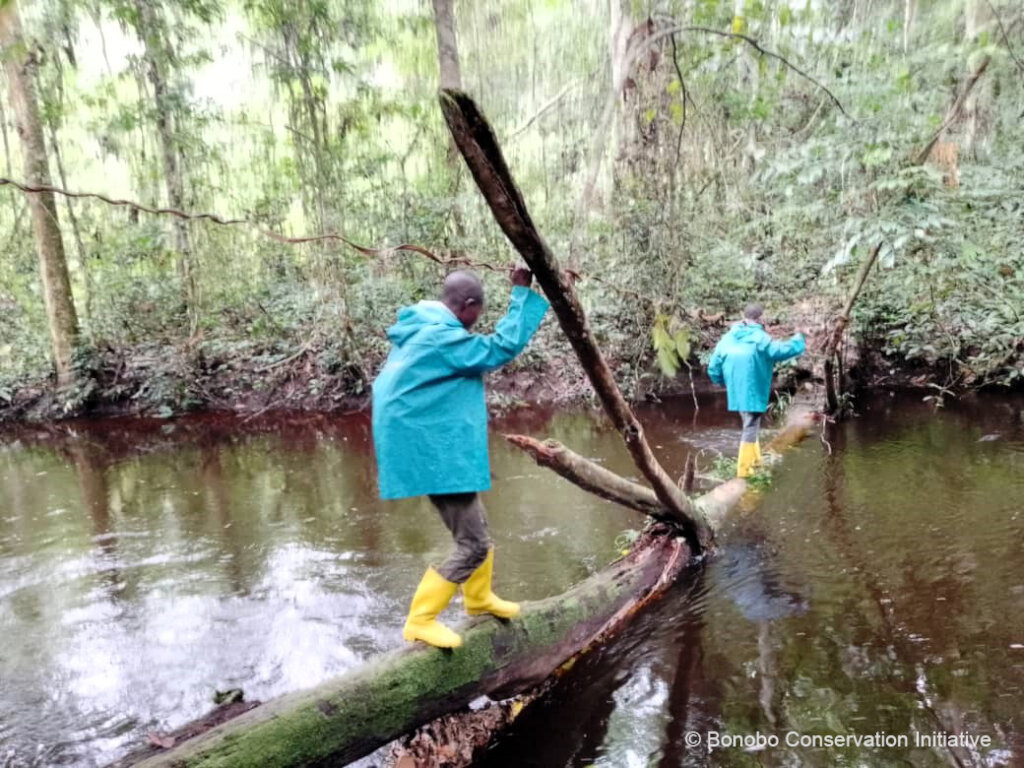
(495, 615)
(418, 639)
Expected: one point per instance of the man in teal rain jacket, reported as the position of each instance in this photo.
(430, 434)
(743, 362)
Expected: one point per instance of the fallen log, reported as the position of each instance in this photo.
(604, 483)
(454, 740)
(347, 717)
(476, 141)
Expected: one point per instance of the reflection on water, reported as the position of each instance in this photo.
(879, 588)
(876, 589)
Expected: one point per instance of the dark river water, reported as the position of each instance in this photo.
(876, 589)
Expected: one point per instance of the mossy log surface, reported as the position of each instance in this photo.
(349, 716)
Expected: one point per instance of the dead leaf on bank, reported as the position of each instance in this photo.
(406, 761)
(163, 742)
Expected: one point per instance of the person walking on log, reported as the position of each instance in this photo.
(430, 434)
(743, 362)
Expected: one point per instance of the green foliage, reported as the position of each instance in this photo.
(672, 344)
(320, 116)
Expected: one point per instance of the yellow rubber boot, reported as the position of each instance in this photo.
(432, 596)
(745, 460)
(758, 457)
(480, 598)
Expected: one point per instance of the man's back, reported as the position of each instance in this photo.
(744, 360)
(429, 409)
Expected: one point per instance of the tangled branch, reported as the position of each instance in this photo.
(447, 261)
(1006, 37)
(675, 29)
(444, 261)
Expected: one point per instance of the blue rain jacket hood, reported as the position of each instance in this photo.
(429, 411)
(743, 362)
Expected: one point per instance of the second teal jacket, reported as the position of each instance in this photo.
(429, 411)
(744, 360)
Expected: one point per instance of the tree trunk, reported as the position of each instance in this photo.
(156, 55)
(76, 232)
(19, 66)
(450, 77)
(956, 109)
(978, 19)
(909, 12)
(619, 53)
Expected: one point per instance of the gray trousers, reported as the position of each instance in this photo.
(466, 518)
(751, 425)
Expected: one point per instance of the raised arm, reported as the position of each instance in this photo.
(784, 350)
(472, 353)
(715, 366)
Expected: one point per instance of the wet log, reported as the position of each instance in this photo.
(593, 478)
(604, 483)
(461, 736)
(480, 149)
(348, 717)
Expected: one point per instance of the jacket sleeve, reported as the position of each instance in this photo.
(784, 350)
(476, 353)
(715, 366)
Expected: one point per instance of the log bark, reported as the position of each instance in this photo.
(604, 483)
(479, 147)
(350, 716)
(20, 67)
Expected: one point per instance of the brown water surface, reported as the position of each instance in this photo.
(879, 588)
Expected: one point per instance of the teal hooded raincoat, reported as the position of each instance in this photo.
(429, 413)
(743, 362)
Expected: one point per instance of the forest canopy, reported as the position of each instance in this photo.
(682, 156)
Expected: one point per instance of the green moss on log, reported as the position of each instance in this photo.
(347, 717)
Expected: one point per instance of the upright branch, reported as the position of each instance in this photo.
(954, 111)
(835, 337)
(1006, 37)
(479, 147)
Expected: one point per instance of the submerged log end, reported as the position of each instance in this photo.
(544, 453)
(591, 477)
(804, 415)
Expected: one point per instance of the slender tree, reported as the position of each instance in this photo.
(157, 57)
(450, 77)
(20, 67)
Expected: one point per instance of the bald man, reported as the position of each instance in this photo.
(430, 434)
